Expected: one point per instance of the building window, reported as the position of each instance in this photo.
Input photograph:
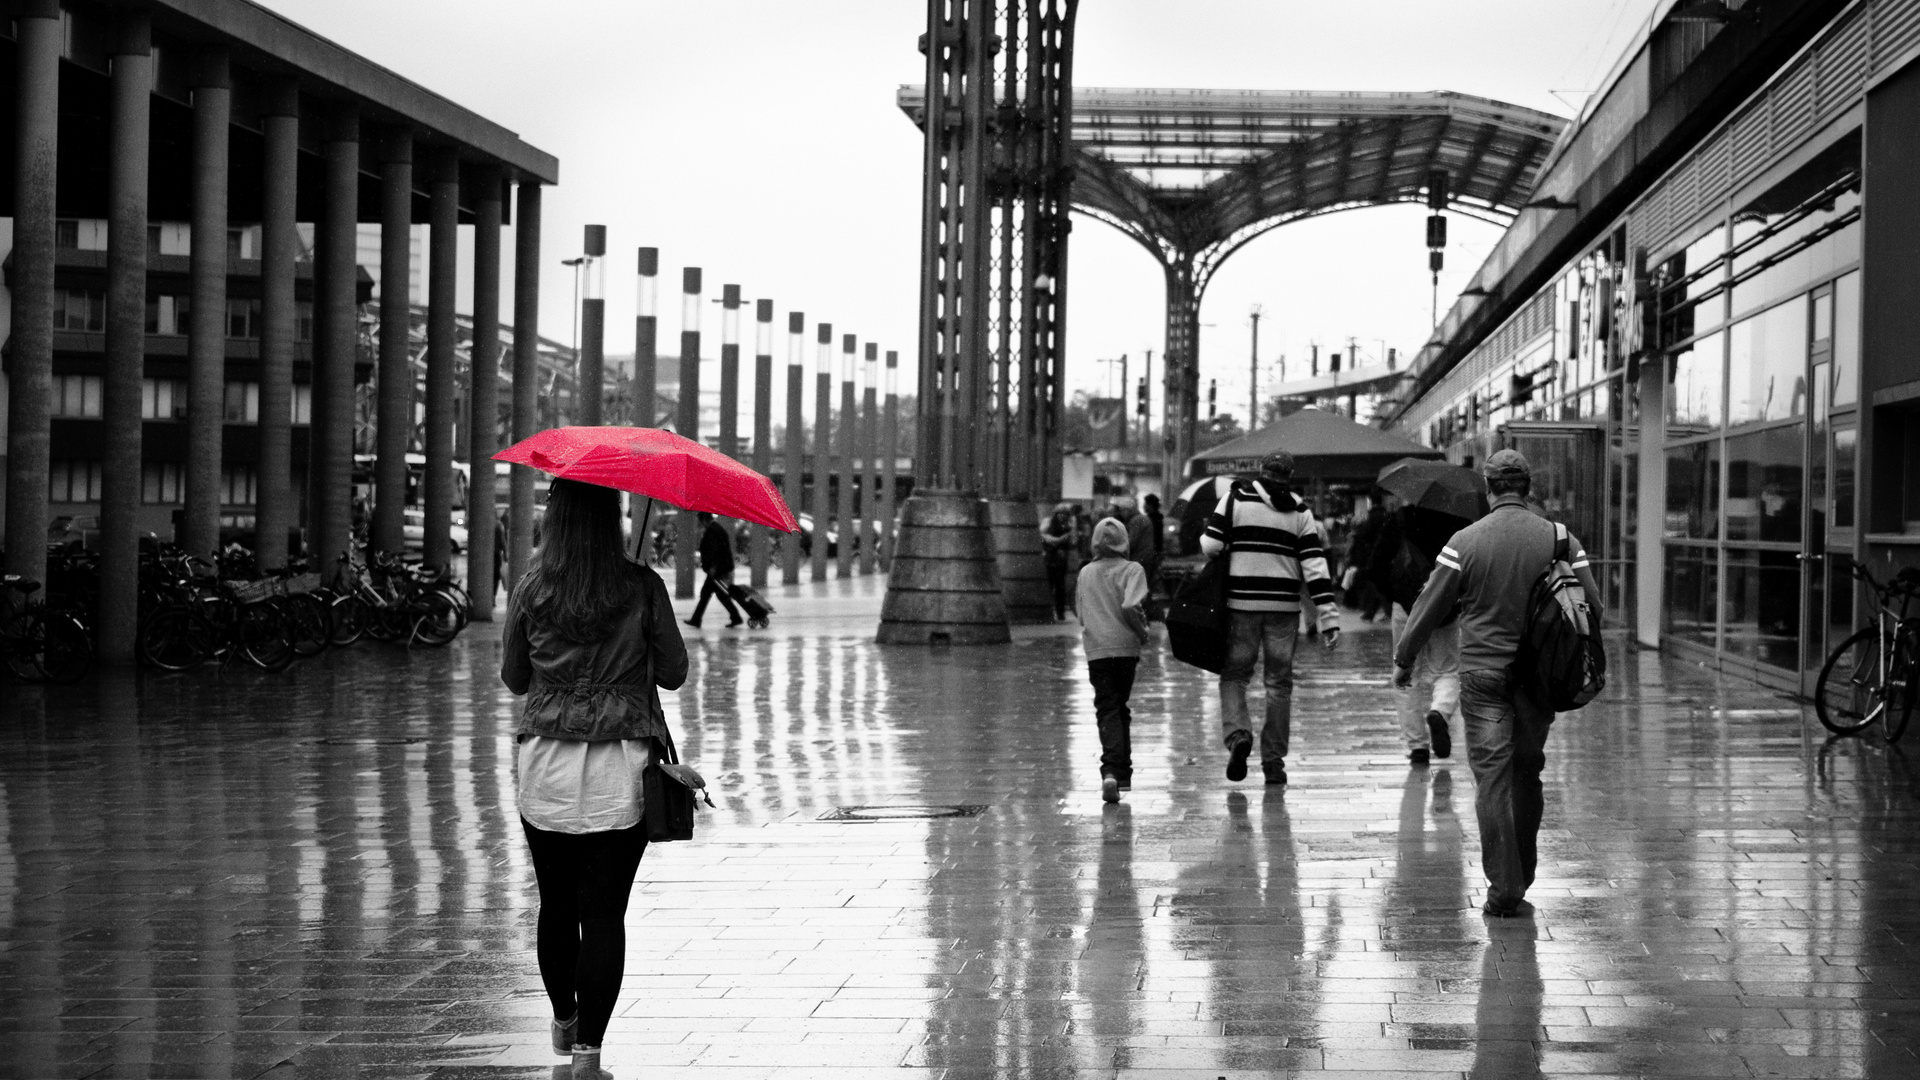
(1767, 365)
(236, 244)
(159, 482)
(243, 403)
(79, 309)
(76, 395)
(66, 234)
(73, 481)
(163, 399)
(168, 315)
(303, 320)
(302, 404)
(237, 486)
(243, 319)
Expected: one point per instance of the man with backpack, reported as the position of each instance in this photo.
(1490, 570)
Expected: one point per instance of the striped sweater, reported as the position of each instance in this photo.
(1273, 545)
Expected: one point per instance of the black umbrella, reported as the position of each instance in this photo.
(1437, 486)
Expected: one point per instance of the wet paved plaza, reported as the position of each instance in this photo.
(319, 874)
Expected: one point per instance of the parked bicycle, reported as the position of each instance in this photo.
(1874, 675)
(391, 600)
(196, 618)
(40, 644)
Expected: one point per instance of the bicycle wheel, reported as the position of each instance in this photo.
(347, 617)
(67, 650)
(436, 619)
(309, 625)
(261, 634)
(21, 640)
(1903, 687)
(175, 638)
(1850, 694)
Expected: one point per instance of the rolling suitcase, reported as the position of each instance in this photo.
(751, 603)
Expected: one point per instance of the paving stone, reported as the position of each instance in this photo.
(320, 875)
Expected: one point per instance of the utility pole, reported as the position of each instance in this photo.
(1123, 401)
(1253, 375)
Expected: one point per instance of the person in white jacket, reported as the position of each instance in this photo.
(1110, 600)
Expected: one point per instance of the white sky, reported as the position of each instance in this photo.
(759, 140)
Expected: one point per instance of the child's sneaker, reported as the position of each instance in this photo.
(1109, 789)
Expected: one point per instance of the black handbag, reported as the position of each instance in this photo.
(667, 804)
(1197, 621)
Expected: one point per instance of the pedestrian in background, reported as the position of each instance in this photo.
(1488, 569)
(1056, 546)
(1110, 600)
(716, 561)
(1157, 533)
(1126, 510)
(589, 639)
(1274, 553)
(1409, 541)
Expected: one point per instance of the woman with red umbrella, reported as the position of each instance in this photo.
(590, 640)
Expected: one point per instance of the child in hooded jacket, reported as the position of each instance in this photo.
(1110, 600)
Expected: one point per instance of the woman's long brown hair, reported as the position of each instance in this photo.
(582, 584)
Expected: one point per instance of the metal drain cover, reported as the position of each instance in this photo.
(902, 812)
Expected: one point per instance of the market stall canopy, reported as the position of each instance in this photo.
(1324, 445)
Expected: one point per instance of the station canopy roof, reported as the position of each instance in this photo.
(1324, 445)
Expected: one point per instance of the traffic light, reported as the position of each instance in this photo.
(1213, 394)
(1140, 399)
(1437, 190)
(1436, 231)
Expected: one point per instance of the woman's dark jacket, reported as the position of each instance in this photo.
(595, 691)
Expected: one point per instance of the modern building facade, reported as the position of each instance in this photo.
(1703, 332)
(144, 367)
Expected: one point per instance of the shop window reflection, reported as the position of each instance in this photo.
(1698, 378)
(1763, 606)
(1767, 365)
(1846, 339)
(1845, 448)
(1693, 492)
(1692, 586)
(1765, 485)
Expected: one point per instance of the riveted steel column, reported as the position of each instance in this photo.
(592, 381)
(849, 432)
(646, 339)
(126, 346)
(870, 474)
(762, 537)
(796, 451)
(686, 541)
(443, 194)
(889, 460)
(730, 370)
(483, 395)
(207, 311)
(36, 134)
(526, 375)
(330, 447)
(279, 246)
(817, 501)
(394, 379)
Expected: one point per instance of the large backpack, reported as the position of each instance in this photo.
(1561, 659)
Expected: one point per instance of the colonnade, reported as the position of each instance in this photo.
(283, 118)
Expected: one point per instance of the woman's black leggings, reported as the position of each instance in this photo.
(585, 879)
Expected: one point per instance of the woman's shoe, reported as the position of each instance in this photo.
(586, 1064)
(563, 1035)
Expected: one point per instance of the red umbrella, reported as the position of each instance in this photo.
(659, 465)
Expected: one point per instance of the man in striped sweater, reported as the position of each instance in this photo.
(1274, 552)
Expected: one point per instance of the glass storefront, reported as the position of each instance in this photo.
(1759, 324)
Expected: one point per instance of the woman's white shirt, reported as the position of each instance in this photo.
(567, 786)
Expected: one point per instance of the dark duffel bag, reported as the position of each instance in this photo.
(667, 804)
(1197, 621)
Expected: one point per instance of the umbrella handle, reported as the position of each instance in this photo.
(640, 538)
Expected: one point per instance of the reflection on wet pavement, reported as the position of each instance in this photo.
(317, 874)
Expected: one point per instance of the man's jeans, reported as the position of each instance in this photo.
(1255, 634)
(1506, 744)
(1112, 679)
(1436, 680)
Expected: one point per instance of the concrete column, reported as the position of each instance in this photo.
(889, 458)
(36, 134)
(870, 476)
(1649, 555)
(443, 195)
(730, 370)
(821, 469)
(279, 247)
(761, 542)
(207, 330)
(591, 408)
(687, 424)
(796, 456)
(646, 339)
(394, 380)
(131, 95)
(335, 310)
(483, 394)
(526, 375)
(847, 471)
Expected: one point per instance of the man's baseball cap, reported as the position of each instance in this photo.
(1506, 465)
(1279, 463)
